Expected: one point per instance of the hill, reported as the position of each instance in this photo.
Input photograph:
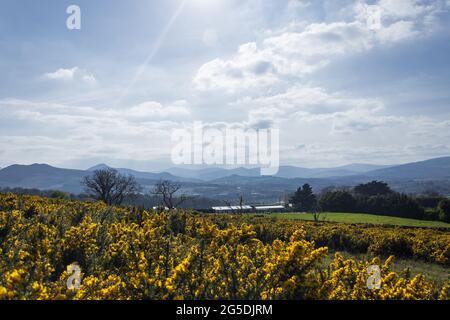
(438, 168)
(223, 184)
(41, 176)
(145, 175)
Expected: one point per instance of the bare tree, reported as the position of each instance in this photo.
(109, 186)
(167, 189)
(241, 202)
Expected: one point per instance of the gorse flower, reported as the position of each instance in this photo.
(128, 253)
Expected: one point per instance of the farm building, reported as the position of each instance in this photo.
(232, 209)
(274, 208)
(249, 208)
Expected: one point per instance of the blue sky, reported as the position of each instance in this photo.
(339, 90)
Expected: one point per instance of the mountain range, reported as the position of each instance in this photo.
(219, 182)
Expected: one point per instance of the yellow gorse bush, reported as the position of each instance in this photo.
(429, 244)
(126, 253)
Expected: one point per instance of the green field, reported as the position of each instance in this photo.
(360, 218)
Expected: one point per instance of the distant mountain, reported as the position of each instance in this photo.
(289, 172)
(41, 176)
(209, 174)
(46, 177)
(298, 172)
(342, 171)
(223, 184)
(145, 175)
(99, 166)
(362, 167)
(438, 168)
(294, 172)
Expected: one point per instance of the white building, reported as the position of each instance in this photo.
(273, 208)
(232, 209)
(248, 208)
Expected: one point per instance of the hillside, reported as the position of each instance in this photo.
(145, 175)
(41, 176)
(46, 177)
(223, 184)
(438, 168)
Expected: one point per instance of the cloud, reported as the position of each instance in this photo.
(310, 100)
(61, 74)
(357, 121)
(403, 8)
(264, 118)
(352, 136)
(397, 31)
(144, 112)
(53, 132)
(314, 69)
(72, 74)
(249, 68)
(285, 55)
(299, 50)
(154, 110)
(337, 127)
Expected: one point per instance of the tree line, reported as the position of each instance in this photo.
(375, 197)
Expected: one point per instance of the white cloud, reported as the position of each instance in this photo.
(51, 132)
(397, 31)
(62, 74)
(360, 135)
(72, 74)
(336, 127)
(285, 55)
(264, 117)
(357, 121)
(402, 8)
(268, 77)
(248, 69)
(154, 110)
(299, 50)
(311, 100)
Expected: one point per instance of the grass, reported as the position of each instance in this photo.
(436, 273)
(360, 218)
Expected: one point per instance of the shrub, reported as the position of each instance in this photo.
(394, 204)
(177, 255)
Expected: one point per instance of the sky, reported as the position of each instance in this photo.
(340, 87)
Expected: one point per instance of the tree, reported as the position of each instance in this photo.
(373, 188)
(444, 210)
(430, 201)
(166, 190)
(393, 204)
(337, 201)
(109, 186)
(304, 199)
